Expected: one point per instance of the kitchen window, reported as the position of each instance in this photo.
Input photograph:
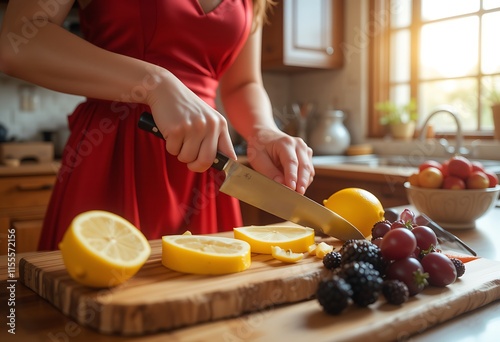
(441, 52)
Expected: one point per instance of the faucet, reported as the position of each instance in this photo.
(458, 149)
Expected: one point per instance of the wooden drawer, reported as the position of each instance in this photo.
(26, 191)
(24, 235)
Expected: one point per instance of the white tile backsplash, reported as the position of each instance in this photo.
(50, 109)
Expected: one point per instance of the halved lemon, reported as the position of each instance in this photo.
(262, 238)
(285, 255)
(102, 249)
(199, 254)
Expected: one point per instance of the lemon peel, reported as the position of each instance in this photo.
(358, 206)
(286, 255)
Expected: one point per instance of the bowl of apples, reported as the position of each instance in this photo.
(454, 193)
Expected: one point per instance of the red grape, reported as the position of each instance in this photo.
(416, 253)
(398, 244)
(398, 224)
(410, 272)
(380, 229)
(425, 237)
(440, 268)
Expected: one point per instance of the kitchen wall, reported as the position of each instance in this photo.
(340, 89)
(27, 110)
(345, 88)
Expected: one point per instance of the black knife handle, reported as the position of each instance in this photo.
(147, 123)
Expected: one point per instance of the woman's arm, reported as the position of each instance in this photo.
(284, 158)
(54, 58)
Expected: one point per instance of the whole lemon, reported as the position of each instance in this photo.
(358, 206)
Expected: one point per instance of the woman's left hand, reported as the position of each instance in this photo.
(286, 159)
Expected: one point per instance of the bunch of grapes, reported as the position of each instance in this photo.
(412, 254)
(400, 261)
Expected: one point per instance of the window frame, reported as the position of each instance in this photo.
(379, 66)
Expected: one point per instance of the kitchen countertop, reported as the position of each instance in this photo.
(39, 321)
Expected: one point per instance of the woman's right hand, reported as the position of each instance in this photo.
(193, 130)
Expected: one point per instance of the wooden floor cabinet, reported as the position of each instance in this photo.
(23, 202)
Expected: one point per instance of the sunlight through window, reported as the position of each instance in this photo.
(445, 55)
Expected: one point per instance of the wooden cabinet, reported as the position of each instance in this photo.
(390, 194)
(23, 202)
(303, 34)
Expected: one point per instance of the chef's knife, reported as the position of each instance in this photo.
(444, 237)
(264, 193)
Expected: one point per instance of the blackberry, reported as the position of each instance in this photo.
(395, 292)
(459, 265)
(333, 294)
(363, 250)
(365, 281)
(348, 242)
(332, 260)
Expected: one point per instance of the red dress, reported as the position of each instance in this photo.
(108, 163)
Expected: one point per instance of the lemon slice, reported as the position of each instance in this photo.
(285, 255)
(102, 249)
(200, 254)
(262, 238)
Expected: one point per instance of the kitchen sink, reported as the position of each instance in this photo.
(406, 161)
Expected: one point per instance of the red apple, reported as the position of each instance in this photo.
(492, 177)
(444, 167)
(453, 183)
(429, 163)
(477, 166)
(459, 167)
(477, 180)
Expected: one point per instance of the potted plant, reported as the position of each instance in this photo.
(401, 119)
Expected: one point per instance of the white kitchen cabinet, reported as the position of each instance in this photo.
(303, 34)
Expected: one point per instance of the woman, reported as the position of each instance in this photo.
(164, 56)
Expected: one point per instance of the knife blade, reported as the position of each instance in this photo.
(444, 237)
(253, 188)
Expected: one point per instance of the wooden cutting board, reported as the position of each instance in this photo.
(157, 298)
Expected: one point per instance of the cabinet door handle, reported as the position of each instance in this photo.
(34, 187)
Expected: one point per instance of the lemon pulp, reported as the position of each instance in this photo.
(102, 249)
(198, 254)
(263, 238)
(358, 206)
